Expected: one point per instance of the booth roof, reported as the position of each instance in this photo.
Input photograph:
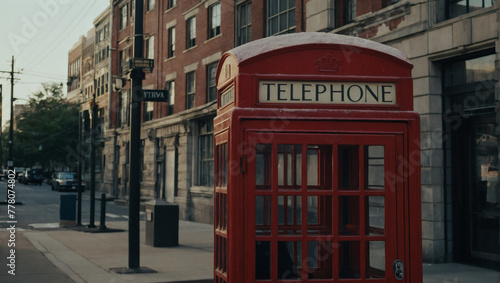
(271, 43)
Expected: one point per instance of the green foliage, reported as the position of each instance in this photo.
(46, 130)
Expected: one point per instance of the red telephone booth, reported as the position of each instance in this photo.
(317, 163)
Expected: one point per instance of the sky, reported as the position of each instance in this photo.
(39, 34)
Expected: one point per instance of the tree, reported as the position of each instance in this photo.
(48, 129)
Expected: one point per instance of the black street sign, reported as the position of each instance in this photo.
(156, 95)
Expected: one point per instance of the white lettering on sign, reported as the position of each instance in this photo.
(327, 92)
(154, 94)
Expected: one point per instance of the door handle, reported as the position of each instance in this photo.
(399, 270)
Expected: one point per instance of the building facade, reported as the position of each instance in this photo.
(454, 48)
(452, 44)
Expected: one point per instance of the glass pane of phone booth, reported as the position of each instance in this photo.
(322, 208)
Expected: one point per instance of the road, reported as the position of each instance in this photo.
(37, 207)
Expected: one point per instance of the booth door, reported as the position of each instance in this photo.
(322, 207)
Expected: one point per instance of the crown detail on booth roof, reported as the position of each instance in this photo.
(328, 63)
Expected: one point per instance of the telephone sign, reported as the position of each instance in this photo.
(315, 171)
(326, 92)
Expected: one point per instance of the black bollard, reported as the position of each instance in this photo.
(102, 226)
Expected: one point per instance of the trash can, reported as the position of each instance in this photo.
(162, 224)
(67, 210)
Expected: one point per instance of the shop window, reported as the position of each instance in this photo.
(243, 22)
(214, 20)
(455, 8)
(190, 89)
(206, 153)
(471, 178)
(211, 87)
(190, 32)
(280, 17)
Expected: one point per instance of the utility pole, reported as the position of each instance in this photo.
(10, 162)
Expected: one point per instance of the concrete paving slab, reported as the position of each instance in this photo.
(31, 265)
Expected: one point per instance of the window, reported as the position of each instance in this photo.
(123, 15)
(214, 19)
(471, 161)
(346, 12)
(121, 60)
(106, 31)
(190, 89)
(206, 153)
(456, 8)
(280, 17)
(102, 84)
(171, 42)
(150, 5)
(211, 87)
(171, 96)
(172, 3)
(243, 23)
(142, 167)
(148, 111)
(124, 109)
(98, 87)
(191, 32)
(119, 116)
(150, 47)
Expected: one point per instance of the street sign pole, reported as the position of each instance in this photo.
(135, 144)
(136, 75)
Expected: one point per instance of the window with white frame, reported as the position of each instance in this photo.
(211, 86)
(171, 96)
(171, 4)
(280, 17)
(123, 16)
(150, 5)
(150, 47)
(190, 32)
(148, 111)
(171, 42)
(243, 22)
(214, 20)
(190, 89)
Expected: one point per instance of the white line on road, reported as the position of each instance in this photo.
(113, 215)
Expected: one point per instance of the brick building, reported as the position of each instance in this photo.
(452, 44)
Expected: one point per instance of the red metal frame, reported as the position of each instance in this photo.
(340, 135)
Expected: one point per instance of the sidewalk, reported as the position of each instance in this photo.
(87, 257)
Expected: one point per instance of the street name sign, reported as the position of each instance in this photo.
(155, 95)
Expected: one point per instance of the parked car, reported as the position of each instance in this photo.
(33, 176)
(3, 173)
(19, 171)
(64, 181)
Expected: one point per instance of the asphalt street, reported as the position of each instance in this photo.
(37, 208)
